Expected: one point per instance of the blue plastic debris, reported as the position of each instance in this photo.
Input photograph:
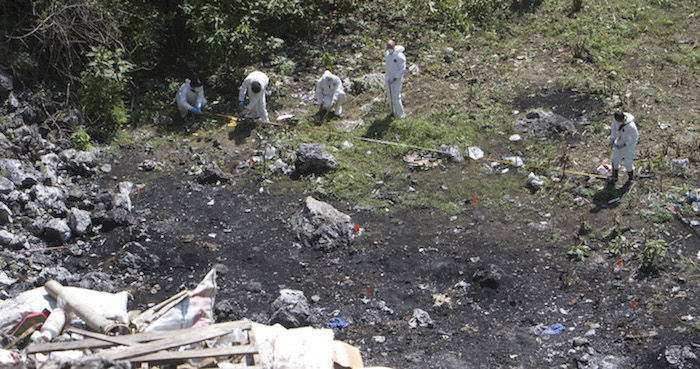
(337, 323)
(553, 329)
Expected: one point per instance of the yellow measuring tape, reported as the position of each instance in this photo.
(233, 121)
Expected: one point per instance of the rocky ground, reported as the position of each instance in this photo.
(417, 289)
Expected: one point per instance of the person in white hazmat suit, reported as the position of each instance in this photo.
(623, 138)
(190, 97)
(395, 68)
(330, 93)
(254, 86)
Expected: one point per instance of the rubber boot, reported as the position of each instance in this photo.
(613, 178)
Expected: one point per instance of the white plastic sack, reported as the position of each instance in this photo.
(111, 305)
(195, 310)
(281, 348)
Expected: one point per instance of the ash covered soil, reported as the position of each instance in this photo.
(487, 285)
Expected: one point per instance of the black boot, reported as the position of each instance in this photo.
(630, 176)
(613, 178)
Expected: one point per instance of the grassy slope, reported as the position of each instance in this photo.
(643, 52)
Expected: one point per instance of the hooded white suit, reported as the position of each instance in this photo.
(623, 138)
(329, 89)
(395, 68)
(187, 99)
(256, 107)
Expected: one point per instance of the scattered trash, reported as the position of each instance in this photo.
(337, 323)
(534, 182)
(285, 117)
(680, 164)
(604, 169)
(551, 330)
(475, 153)
(6, 280)
(420, 318)
(514, 160)
(415, 160)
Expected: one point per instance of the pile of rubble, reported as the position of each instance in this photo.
(57, 326)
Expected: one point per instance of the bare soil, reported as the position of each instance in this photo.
(485, 280)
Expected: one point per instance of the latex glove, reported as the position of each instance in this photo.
(197, 110)
(240, 103)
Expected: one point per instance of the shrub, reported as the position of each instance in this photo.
(80, 138)
(101, 91)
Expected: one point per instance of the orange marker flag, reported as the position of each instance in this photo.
(618, 261)
(357, 227)
(634, 303)
(368, 290)
(474, 201)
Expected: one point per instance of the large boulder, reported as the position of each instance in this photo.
(79, 221)
(5, 214)
(291, 309)
(545, 124)
(321, 226)
(6, 186)
(313, 158)
(83, 163)
(57, 230)
(212, 174)
(19, 173)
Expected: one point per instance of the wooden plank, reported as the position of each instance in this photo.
(92, 343)
(181, 339)
(195, 354)
(117, 340)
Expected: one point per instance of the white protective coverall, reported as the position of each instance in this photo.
(257, 108)
(623, 138)
(395, 68)
(187, 99)
(329, 89)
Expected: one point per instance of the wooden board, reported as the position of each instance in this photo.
(93, 343)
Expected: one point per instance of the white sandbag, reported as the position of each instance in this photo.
(306, 347)
(195, 310)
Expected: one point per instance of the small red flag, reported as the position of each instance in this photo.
(618, 261)
(138, 190)
(634, 303)
(520, 2)
(250, 162)
(474, 201)
(368, 290)
(357, 227)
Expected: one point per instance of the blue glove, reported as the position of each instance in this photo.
(240, 103)
(197, 110)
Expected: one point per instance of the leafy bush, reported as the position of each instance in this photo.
(101, 91)
(80, 138)
(241, 30)
(578, 251)
(652, 254)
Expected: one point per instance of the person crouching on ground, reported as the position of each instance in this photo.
(330, 93)
(254, 86)
(190, 97)
(623, 138)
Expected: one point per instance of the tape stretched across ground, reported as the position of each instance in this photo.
(233, 121)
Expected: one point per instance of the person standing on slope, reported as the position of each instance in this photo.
(623, 138)
(395, 68)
